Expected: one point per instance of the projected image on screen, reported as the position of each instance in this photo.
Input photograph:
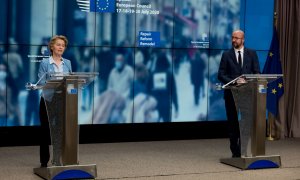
(216, 104)
(154, 23)
(77, 25)
(114, 29)
(190, 69)
(157, 59)
(191, 24)
(3, 22)
(113, 88)
(227, 15)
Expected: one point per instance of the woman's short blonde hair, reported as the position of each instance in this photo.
(54, 38)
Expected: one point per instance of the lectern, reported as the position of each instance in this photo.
(61, 92)
(250, 101)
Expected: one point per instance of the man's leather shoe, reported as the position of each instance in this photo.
(236, 155)
(43, 164)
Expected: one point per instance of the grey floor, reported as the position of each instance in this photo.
(159, 160)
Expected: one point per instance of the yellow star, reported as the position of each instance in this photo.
(271, 54)
(280, 85)
(274, 91)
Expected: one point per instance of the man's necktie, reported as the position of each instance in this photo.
(240, 58)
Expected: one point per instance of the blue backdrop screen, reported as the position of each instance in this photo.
(171, 48)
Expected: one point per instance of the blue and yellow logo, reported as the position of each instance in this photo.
(102, 6)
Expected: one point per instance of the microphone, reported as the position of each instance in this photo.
(30, 86)
(41, 78)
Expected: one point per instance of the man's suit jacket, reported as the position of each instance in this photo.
(229, 68)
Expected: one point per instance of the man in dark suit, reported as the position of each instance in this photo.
(235, 62)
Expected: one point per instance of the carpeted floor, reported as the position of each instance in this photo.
(159, 160)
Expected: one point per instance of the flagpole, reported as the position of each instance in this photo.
(270, 126)
(271, 118)
(275, 20)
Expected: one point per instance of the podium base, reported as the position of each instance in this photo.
(67, 172)
(257, 162)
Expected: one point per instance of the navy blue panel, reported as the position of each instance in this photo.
(259, 24)
(262, 57)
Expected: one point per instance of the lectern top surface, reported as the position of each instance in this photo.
(253, 77)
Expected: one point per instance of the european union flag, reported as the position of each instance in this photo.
(103, 6)
(274, 92)
(273, 66)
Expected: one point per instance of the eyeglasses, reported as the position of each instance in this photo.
(236, 38)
